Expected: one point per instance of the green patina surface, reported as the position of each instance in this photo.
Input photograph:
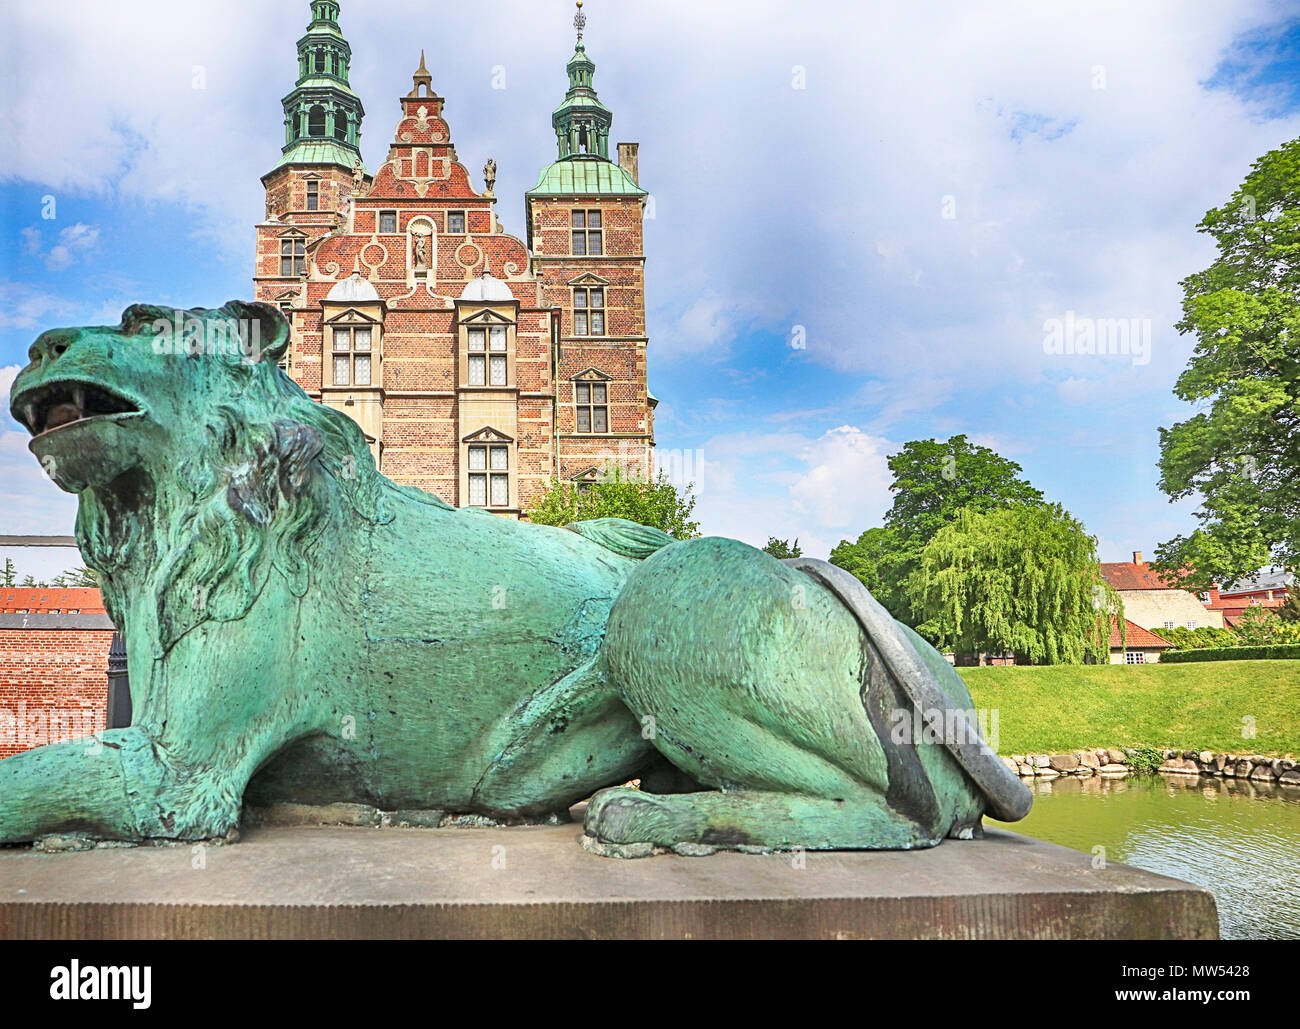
(301, 629)
(585, 176)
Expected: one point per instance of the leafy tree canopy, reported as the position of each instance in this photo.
(933, 482)
(656, 502)
(1019, 579)
(1241, 451)
(782, 549)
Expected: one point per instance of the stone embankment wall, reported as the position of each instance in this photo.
(1115, 762)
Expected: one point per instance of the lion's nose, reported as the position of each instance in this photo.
(50, 346)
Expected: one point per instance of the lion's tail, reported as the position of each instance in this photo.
(628, 539)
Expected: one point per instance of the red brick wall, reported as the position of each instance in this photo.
(417, 373)
(53, 685)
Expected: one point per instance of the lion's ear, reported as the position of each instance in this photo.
(273, 328)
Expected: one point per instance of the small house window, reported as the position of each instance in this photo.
(489, 476)
(593, 410)
(588, 238)
(1191, 625)
(487, 356)
(313, 195)
(388, 222)
(588, 312)
(293, 256)
(1169, 625)
(456, 223)
(1134, 657)
(352, 356)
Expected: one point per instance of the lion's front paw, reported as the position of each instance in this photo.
(624, 817)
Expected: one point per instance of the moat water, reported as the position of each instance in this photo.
(1240, 840)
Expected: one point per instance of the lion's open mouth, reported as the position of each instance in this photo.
(57, 404)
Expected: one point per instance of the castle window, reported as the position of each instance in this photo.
(456, 222)
(588, 311)
(320, 61)
(588, 239)
(316, 121)
(487, 356)
(293, 256)
(388, 222)
(313, 195)
(340, 125)
(352, 356)
(489, 476)
(592, 400)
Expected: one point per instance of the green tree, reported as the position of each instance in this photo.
(933, 482)
(782, 549)
(1020, 579)
(8, 574)
(76, 577)
(1240, 453)
(655, 502)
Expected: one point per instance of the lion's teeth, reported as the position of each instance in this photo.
(30, 411)
(79, 397)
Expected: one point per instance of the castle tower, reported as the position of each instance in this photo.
(584, 221)
(321, 158)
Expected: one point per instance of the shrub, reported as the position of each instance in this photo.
(1277, 651)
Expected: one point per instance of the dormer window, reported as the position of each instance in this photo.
(352, 355)
(487, 356)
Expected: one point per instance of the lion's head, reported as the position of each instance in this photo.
(200, 464)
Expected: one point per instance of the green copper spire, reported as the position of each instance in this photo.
(582, 121)
(322, 116)
(582, 132)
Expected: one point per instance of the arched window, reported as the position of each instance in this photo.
(320, 60)
(316, 121)
(341, 125)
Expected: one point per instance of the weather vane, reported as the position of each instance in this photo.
(579, 21)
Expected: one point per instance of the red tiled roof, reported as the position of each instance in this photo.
(85, 599)
(1125, 575)
(1137, 636)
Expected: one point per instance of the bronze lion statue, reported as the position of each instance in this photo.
(300, 628)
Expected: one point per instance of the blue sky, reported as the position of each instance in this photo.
(911, 191)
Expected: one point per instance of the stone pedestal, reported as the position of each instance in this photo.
(537, 882)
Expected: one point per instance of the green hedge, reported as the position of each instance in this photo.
(1280, 650)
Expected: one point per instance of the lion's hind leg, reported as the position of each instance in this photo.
(764, 687)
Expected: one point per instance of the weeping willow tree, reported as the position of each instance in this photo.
(1023, 580)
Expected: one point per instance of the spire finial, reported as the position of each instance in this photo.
(422, 70)
(579, 22)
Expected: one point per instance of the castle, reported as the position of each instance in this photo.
(479, 367)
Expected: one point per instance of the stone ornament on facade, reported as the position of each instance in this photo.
(489, 176)
(273, 591)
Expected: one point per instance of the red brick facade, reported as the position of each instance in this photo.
(419, 234)
(53, 685)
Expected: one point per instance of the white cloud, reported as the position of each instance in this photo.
(74, 241)
(7, 375)
(820, 490)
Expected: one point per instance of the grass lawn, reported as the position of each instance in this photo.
(1200, 705)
